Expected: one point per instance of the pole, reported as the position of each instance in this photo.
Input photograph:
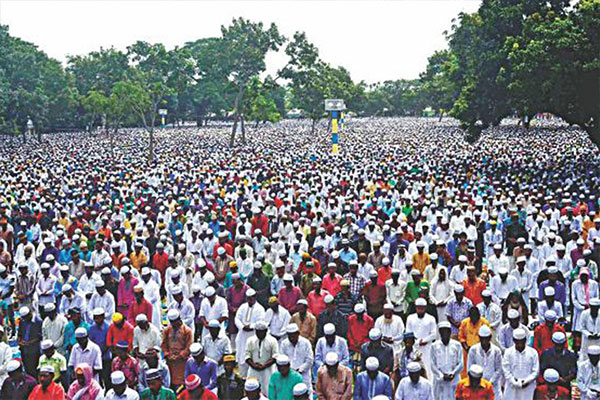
(334, 132)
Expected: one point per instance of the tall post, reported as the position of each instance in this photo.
(334, 132)
(335, 107)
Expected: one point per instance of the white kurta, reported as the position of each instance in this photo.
(261, 352)
(278, 322)
(446, 359)
(580, 302)
(519, 366)
(491, 362)
(588, 378)
(152, 294)
(424, 329)
(301, 358)
(246, 315)
(392, 328)
(6, 355)
(588, 326)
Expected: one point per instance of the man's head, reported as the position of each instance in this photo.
(154, 380)
(459, 292)
(197, 352)
(293, 333)
(474, 315)
(118, 320)
(46, 375)
(558, 340)
(475, 374)
(47, 347)
(300, 391)
(485, 337)
(445, 329)
(229, 364)
(283, 364)
(260, 329)
(550, 318)
(372, 365)
(414, 371)
(332, 361)
(519, 338)
(252, 389)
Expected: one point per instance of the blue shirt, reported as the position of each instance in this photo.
(347, 256)
(97, 334)
(366, 388)
(207, 371)
(70, 333)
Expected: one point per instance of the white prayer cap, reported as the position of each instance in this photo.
(261, 326)
(485, 331)
(46, 344)
(251, 385)
(512, 314)
(550, 315)
(502, 271)
(99, 311)
(594, 350)
(195, 349)
(49, 307)
(522, 259)
(519, 334)
(145, 271)
(282, 359)
(288, 278)
(99, 283)
(117, 378)
(124, 270)
(595, 302)
(372, 364)
(359, 308)
(549, 291)
(462, 258)
(420, 302)
(459, 288)
(486, 293)
(66, 287)
(551, 375)
(433, 256)
(23, 311)
(292, 328)
(445, 325)
(302, 302)
(213, 323)
(300, 389)
(332, 358)
(476, 371)
(13, 365)
(375, 334)
(553, 269)
(173, 315)
(559, 337)
(388, 306)
(81, 332)
(328, 299)
(329, 329)
(380, 397)
(209, 291)
(176, 290)
(413, 366)
(48, 369)
(141, 318)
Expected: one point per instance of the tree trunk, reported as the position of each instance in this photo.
(243, 130)
(151, 147)
(256, 124)
(441, 116)
(236, 104)
(312, 129)
(39, 135)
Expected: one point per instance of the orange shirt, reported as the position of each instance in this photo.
(473, 290)
(420, 261)
(464, 391)
(115, 335)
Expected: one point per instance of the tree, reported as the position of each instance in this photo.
(150, 73)
(555, 64)
(437, 82)
(246, 44)
(96, 104)
(259, 104)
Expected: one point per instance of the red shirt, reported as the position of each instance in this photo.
(260, 222)
(542, 337)
(228, 249)
(143, 308)
(53, 392)
(316, 302)
(473, 290)
(160, 262)
(383, 274)
(375, 297)
(115, 335)
(358, 331)
(332, 285)
(541, 393)
(207, 395)
(289, 299)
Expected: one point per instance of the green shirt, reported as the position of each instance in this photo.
(281, 388)
(413, 290)
(163, 394)
(57, 361)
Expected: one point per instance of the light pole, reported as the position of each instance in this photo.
(30, 126)
(335, 108)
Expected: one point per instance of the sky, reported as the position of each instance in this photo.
(375, 40)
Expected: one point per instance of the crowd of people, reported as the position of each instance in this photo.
(412, 265)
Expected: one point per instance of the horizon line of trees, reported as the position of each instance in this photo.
(511, 57)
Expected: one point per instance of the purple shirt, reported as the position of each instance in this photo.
(560, 294)
(207, 371)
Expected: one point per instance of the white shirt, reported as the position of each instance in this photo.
(446, 359)
(106, 302)
(519, 366)
(392, 328)
(424, 328)
(214, 311)
(147, 339)
(500, 290)
(128, 394)
(423, 390)
(277, 322)
(588, 377)
(54, 330)
(490, 361)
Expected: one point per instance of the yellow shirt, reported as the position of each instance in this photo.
(469, 333)
(420, 261)
(137, 261)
